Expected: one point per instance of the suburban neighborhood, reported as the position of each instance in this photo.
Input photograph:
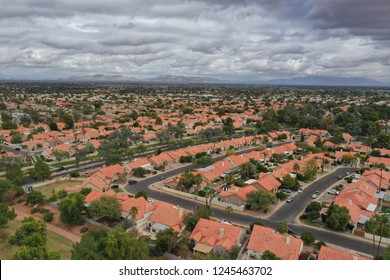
(191, 173)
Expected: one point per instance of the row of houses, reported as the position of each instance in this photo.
(363, 196)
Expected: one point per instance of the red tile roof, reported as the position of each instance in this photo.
(285, 247)
(216, 234)
(327, 253)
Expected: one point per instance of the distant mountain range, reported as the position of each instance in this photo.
(172, 79)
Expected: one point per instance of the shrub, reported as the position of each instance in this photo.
(74, 174)
(83, 229)
(308, 238)
(62, 194)
(85, 191)
(48, 217)
(281, 195)
(319, 244)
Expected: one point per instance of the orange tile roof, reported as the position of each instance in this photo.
(95, 195)
(216, 234)
(268, 182)
(169, 215)
(241, 192)
(327, 253)
(112, 171)
(224, 165)
(161, 158)
(138, 163)
(285, 247)
(385, 161)
(140, 203)
(239, 160)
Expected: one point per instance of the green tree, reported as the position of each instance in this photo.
(120, 246)
(71, 208)
(17, 138)
(386, 255)
(32, 233)
(338, 217)
(311, 170)
(60, 155)
(6, 215)
(41, 171)
(228, 127)
(15, 174)
(35, 253)
(378, 225)
(261, 200)
(308, 238)
(296, 168)
(53, 126)
(35, 197)
(283, 227)
(8, 190)
(188, 180)
(172, 242)
(268, 255)
(91, 246)
(247, 171)
(139, 172)
(106, 206)
(141, 193)
(228, 211)
(205, 161)
(313, 206)
(133, 213)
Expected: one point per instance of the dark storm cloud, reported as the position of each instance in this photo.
(243, 39)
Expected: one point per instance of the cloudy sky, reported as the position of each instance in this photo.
(229, 39)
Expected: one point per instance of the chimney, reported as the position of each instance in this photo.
(288, 239)
(223, 164)
(180, 212)
(221, 231)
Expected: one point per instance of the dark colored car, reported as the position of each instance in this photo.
(61, 169)
(132, 182)
(114, 186)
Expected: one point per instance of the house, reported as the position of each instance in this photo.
(236, 195)
(267, 183)
(111, 173)
(166, 216)
(95, 195)
(379, 160)
(285, 246)
(210, 174)
(218, 238)
(161, 159)
(49, 152)
(238, 160)
(347, 137)
(142, 162)
(144, 208)
(327, 253)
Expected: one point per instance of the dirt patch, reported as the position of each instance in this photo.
(71, 232)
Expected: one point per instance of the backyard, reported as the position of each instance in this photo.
(47, 190)
(55, 242)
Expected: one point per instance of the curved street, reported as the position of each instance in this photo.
(287, 212)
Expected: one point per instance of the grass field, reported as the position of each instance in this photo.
(55, 242)
(47, 190)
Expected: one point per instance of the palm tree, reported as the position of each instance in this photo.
(209, 195)
(228, 211)
(296, 168)
(133, 213)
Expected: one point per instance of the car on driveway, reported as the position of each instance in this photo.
(286, 190)
(289, 199)
(333, 192)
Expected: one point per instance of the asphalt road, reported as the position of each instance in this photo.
(289, 211)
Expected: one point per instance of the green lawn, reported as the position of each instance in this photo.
(55, 242)
(47, 190)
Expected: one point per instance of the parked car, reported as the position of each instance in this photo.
(314, 195)
(61, 169)
(289, 199)
(114, 186)
(286, 190)
(132, 182)
(300, 190)
(340, 177)
(162, 178)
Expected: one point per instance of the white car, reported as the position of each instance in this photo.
(300, 190)
(289, 199)
(314, 196)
